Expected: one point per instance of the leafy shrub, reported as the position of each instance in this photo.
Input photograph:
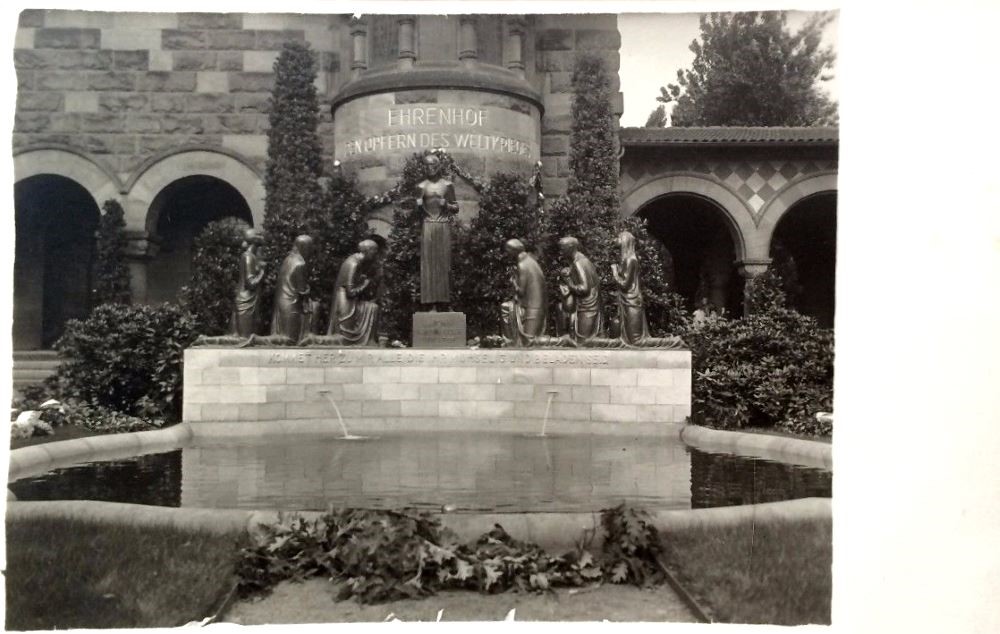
(665, 312)
(111, 275)
(211, 294)
(386, 555)
(337, 229)
(126, 358)
(507, 209)
(773, 368)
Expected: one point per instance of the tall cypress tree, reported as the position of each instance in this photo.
(111, 276)
(590, 209)
(294, 160)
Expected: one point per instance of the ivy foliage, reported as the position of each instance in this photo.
(773, 368)
(377, 556)
(749, 70)
(125, 358)
(508, 208)
(210, 295)
(111, 275)
(294, 197)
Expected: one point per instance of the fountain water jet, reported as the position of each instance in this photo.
(345, 434)
(545, 418)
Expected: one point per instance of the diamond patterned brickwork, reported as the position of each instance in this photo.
(755, 180)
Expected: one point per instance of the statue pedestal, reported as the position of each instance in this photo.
(439, 330)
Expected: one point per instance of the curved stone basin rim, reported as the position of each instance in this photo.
(45, 457)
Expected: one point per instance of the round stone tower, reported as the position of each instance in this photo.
(450, 82)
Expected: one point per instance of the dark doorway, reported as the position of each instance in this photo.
(804, 252)
(702, 258)
(177, 215)
(55, 219)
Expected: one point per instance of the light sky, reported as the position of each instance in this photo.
(655, 47)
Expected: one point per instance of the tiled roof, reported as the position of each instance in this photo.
(729, 136)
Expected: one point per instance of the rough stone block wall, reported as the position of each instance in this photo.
(557, 40)
(124, 87)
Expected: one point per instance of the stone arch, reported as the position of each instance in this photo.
(739, 217)
(789, 195)
(99, 182)
(160, 171)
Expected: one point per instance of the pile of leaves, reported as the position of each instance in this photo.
(377, 556)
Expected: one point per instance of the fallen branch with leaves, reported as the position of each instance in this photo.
(377, 556)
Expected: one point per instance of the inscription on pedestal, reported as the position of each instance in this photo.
(439, 330)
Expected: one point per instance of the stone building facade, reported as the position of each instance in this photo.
(168, 114)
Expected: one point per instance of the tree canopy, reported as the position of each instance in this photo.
(750, 70)
(657, 118)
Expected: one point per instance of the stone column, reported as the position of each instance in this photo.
(514, 49)
(750, 270)
(139, 250)
(407, 42)
(359, 37)
(468, 47)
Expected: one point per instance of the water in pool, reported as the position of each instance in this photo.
(471, 472)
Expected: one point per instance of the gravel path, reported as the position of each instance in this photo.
(313, 602)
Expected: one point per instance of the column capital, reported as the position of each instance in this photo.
(141, 245)
(751, 268)
(359, 26)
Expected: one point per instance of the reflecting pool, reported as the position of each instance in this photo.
(468, 471)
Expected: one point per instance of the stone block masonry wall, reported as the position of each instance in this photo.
(557, 41)
(601, 386)
(124, 87)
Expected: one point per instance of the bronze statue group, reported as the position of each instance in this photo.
(354, 315)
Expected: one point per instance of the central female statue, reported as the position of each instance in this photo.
(436, 201)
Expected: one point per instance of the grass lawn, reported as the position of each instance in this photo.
(775, 572)
(75, 574)
(315, 601)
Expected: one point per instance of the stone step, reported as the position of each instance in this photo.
(41, 355)
(33, 366)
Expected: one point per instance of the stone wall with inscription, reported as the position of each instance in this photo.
(485, 132)
(592, 386)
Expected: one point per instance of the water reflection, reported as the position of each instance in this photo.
(727, 480)
(471, 471)
(153, 479)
